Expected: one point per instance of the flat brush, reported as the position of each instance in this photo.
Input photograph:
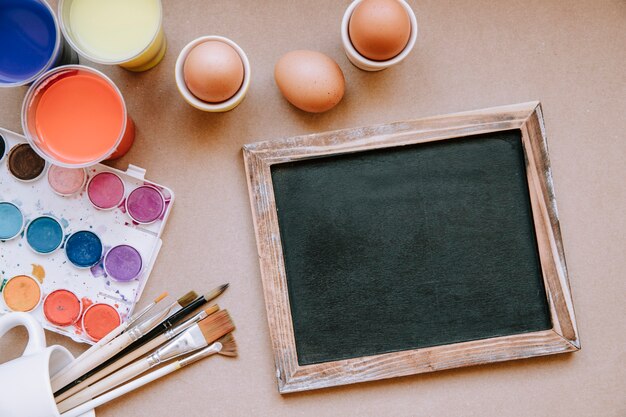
(119, 343)
(196, 337)
(225, 346)
(169, 322)
(113, 334)
(180, 315)
(137, 353)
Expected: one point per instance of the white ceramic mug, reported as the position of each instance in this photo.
(25, 381)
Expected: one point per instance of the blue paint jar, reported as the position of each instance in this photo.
(30, 42)
(44, 234)
(83, 249)
(11, 221)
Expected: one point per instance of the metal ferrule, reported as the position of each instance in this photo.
(136, 317)
(170, 333)
(144, 327)
(188, 341)
(211, 350)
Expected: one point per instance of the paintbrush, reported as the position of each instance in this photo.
(180, 315)
(119, 343)
(225, 346)
(137, 353)
(166, 324)
(113, 334)
(196, 337)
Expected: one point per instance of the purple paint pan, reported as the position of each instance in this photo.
(145, 204)
(123, 263)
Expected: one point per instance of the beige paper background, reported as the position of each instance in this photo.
(469, 55)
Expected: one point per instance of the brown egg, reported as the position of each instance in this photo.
(379, 29)
(213, 71)
(309, 80)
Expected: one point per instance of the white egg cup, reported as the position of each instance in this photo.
(367, 64)
(223, 106)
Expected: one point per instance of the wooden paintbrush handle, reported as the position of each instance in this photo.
(104, 385)
(91, 361)
(124, 389)
(148, 347)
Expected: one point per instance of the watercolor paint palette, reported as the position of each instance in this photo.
(76, 246)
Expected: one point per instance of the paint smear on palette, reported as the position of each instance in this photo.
(166, 195)
(86, 302)
(78, 328)
(97, 270)
(39, 272)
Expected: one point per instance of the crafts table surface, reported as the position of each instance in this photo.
(469, 55)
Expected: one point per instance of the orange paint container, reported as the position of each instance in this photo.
(99, 320)
(75, 117)
(62, 308)
(22, 293)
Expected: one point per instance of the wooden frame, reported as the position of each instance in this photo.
(526, 117)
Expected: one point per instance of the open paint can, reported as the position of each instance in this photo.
(30, 41)
(115, 32)
(75, 116)
(22, 293)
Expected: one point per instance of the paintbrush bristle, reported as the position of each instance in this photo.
(229, 346)
(186, 299)
(161, 297)
(216, 292)
(216, 326)
(210, 310)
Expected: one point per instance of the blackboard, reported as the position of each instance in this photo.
(410, 247)
(404, 248)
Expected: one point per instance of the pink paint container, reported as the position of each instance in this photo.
(66, 181)
(106, 190)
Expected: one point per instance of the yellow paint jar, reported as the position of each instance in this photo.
(128, 33)
(22, 293)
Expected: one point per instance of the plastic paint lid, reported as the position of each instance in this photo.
(62, 308)
(22, 293)
(106, 190)
(145, 204)
(24, 163)
(123, 263)
(83, 249)
(11, 220)
(99, 320)
(44, 234)
(66, 181)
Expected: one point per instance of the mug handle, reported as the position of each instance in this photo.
(36, 336)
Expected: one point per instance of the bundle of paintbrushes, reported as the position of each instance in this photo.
(145, 341)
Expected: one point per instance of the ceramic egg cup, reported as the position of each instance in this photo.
(367, 64)
(223, 106)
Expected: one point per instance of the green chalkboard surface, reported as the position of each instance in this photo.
(409, 247)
